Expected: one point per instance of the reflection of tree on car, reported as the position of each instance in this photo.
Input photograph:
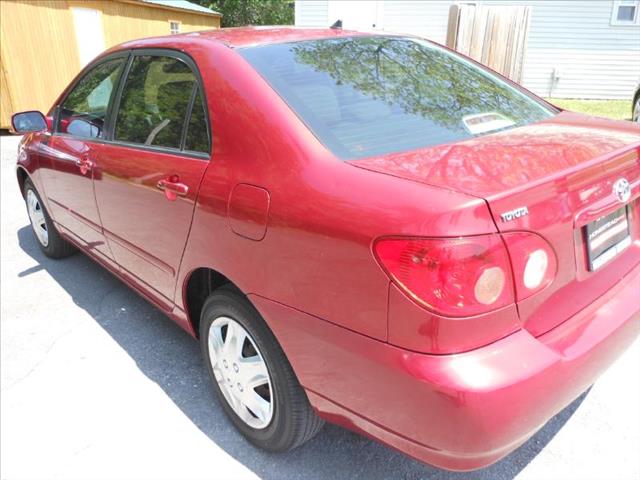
(85, 108)
(152, 112)
(424, 81)
(374, 95)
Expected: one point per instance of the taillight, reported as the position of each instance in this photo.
(452, 276)
(533, 260)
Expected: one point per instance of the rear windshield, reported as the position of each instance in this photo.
(367, 96)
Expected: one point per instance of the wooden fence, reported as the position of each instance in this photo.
(493, 35)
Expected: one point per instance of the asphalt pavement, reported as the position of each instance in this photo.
(98, 384)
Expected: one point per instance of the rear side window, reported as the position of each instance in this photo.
(83, 112)
(155, 102)
(197, 132)
(367, 96)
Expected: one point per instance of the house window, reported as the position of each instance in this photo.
(174, 27)
(625, 12)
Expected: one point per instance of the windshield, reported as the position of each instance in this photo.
(368, 96)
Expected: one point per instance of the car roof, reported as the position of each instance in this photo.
(246, 36)
(239, 37)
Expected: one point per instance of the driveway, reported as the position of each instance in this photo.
(96, 383)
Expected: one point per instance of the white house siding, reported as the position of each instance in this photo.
(427, 19)
(312, 13)
(593, 58)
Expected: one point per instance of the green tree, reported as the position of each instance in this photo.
(237, 13)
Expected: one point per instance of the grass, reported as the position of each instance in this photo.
(616, 109)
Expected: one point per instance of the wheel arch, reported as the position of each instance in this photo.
(197, 287)
(22, 175)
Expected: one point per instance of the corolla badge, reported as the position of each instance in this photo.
(622, 190)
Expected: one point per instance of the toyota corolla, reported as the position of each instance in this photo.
(366, 229)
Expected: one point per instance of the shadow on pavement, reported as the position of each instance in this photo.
(171, 358)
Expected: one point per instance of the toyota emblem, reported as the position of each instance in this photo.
(622, 190)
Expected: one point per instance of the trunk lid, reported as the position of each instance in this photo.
(555, 178)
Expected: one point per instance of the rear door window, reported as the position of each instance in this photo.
(197, 139)
(155, 102)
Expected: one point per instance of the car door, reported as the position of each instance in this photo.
(68, 156)
(150, 170)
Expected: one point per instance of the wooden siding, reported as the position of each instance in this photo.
(5, 100)
(39, 54)
(125, 21)
(595, 59)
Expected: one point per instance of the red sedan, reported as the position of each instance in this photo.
(366, 229)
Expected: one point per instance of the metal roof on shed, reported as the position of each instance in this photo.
(182, 5)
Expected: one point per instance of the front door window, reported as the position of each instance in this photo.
(83, 112)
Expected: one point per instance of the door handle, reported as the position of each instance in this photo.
(172, 187)
(85, 165)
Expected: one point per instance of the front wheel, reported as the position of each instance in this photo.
(48, 238)
(253, 379)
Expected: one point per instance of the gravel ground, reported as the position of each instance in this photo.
(96, 383)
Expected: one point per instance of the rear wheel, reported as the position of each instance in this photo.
(252, 377)
(48, 238)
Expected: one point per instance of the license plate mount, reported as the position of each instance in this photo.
(607, 237)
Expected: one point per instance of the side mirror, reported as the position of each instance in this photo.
(82, 128)
(25, 122)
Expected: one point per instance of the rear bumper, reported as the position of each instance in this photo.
(463, 411)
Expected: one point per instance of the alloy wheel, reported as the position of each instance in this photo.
(241, 372)
(36, 215)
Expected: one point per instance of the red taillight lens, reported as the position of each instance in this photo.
(533, 260)
(451, 276)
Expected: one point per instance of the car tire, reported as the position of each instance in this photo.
(636, 110)
(47, 236)
(292, 421)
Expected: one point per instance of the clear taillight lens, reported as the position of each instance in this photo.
(535, 269)
(533, 260)
(452, 276)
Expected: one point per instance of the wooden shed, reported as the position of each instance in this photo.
(44, 43)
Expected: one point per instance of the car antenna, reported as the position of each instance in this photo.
(337, 25)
